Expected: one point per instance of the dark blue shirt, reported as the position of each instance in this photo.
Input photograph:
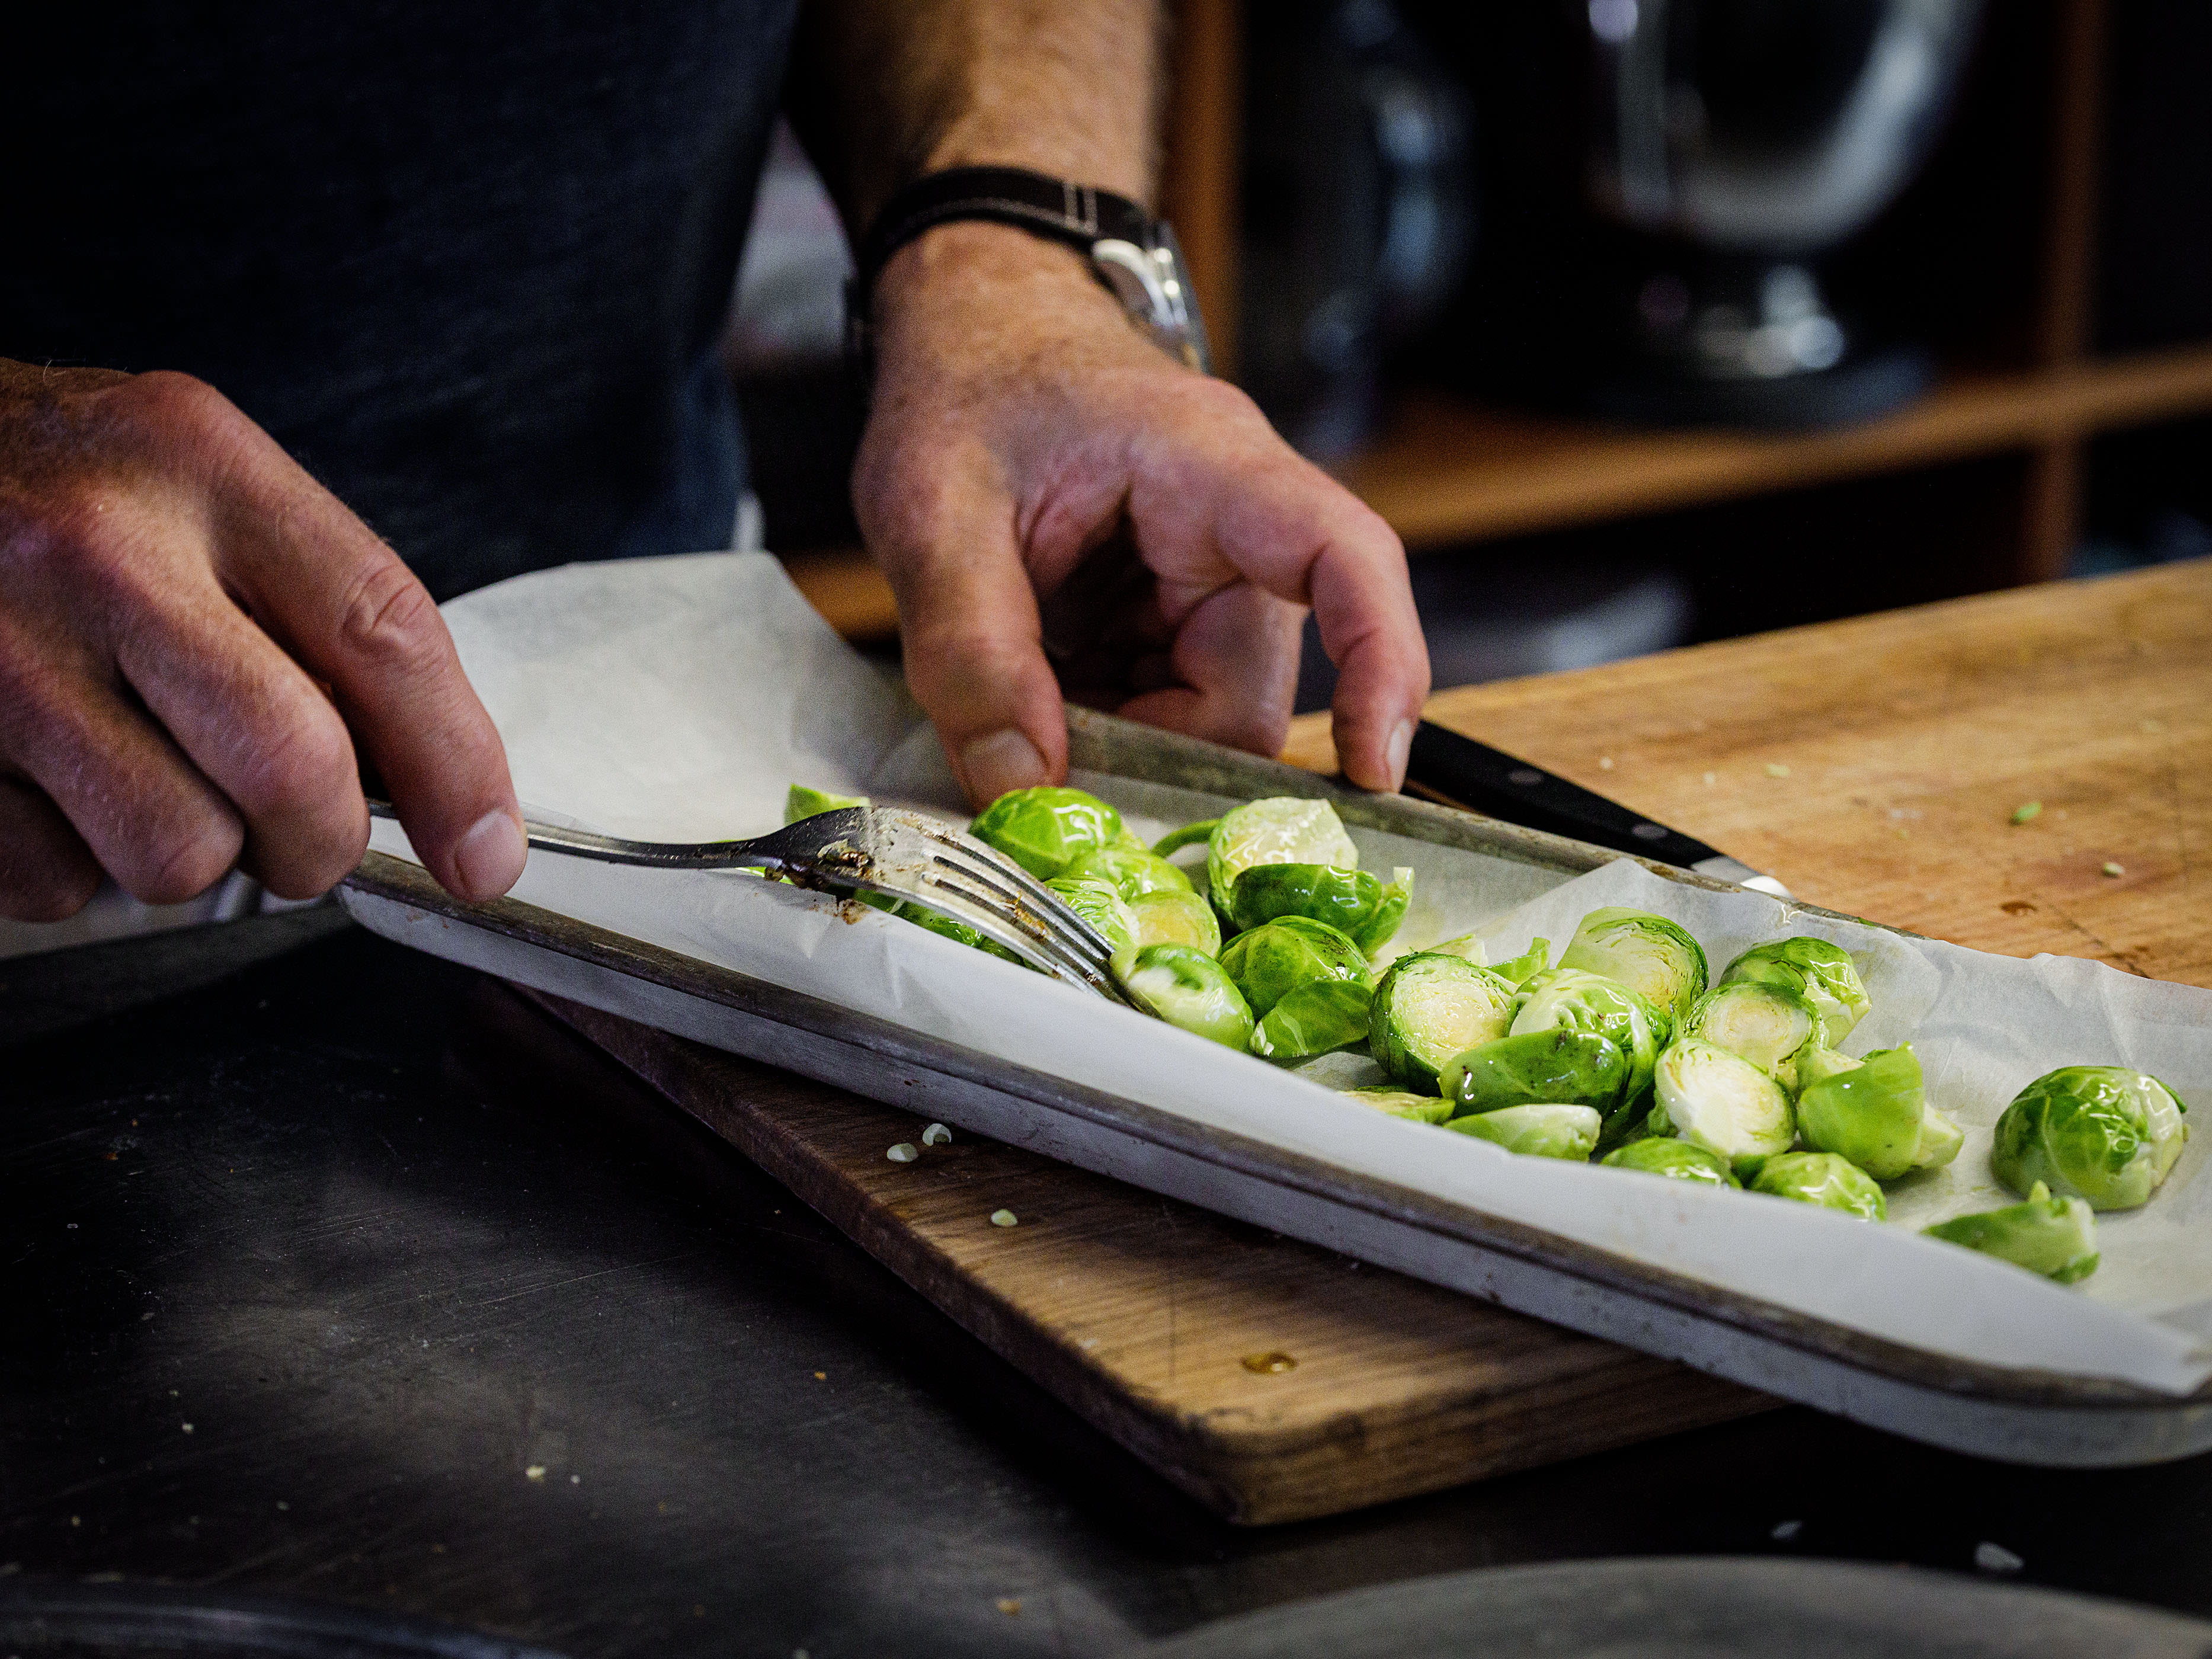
(466, 262)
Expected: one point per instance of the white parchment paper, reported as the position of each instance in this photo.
(676, 699)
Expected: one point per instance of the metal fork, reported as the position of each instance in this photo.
(897, 854)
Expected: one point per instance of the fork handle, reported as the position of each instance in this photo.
(608, 849)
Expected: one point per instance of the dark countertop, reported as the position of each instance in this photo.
(388, 1241)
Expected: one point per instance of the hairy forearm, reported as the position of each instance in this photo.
(884, 91)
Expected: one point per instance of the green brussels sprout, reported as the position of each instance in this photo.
(1175, 915)
(2054, 1236)
(1556, 1067)
(1871, 1114)
(800, 802)
(1420, 1109)
(2102, 1133)
(1271, 961)
(1101, 906)
(1822, 1178)
(1650, 954)
(1312, 1020)
(1572, 1000)
(1129, 871)
(1535, 960)
(1047, 829)
(1823, 974)
(1187, 987)
(1721, 1101)
(1539, 1131)
(1359, 902)
(1430, 1007)
(1678, 1160)
(1769, 1026)
(1285, 829)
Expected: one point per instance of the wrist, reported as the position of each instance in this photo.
(976, 291)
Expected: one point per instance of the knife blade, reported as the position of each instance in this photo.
(1455, 771)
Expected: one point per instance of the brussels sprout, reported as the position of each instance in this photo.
(2102, 1133)
(1769, 1026)
(1101, 906)
(1272, 961)
(1047, 829)
(1555, 1067)
(1676, 1159)
(1282, 831)
(1823, 974)
(1421, 1109)
(1536, 959)
(1430, 1007)
(1316, 1016)
(1359, 902)
(1871, 1114)
(1129, 871)
(1175, 915)
(1187, 987)
(2054, 1236)
(1539, 1131)
(1650, 954)
(1716, 1100)
(1570, 999)
(1822, 1178)
(800, 802)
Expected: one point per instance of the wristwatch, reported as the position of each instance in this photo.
(1133, 253)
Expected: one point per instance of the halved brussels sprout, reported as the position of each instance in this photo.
(2102, 1133)
(800, 802)
(1539, 1131)
(1822, 1178)
(1047, 829)
(1769, 1026)
(1430, 1007)
(1318, 1016)
(2054, 1236)
(1557, 1067)
(1270, 962)
(1871, 1114)
(1721, 1101)
(1129, 871)
(1285, 829)
(1823, 974)
(1421, 1109)
(1175, 915)
(1651, 956)
(1359, 902)
(1571, 1000)
(1188, 988)
(1101, 906)
(1535, 960)
(1676, 1159)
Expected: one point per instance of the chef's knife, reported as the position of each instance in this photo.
(1458, 771)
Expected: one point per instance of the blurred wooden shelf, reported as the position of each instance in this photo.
(1452, 470)
(844, 585)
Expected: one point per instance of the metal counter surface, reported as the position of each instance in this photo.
(334, 1272)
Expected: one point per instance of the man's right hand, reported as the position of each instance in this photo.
(194, 634)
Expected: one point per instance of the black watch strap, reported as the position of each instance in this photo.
(1133, 253)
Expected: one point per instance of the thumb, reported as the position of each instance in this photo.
(974, 645)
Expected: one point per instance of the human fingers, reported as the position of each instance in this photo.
(47, 871)
(1235, 670)
(943, 528)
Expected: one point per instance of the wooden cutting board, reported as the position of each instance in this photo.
(1271, 1380)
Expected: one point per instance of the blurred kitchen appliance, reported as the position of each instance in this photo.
(1661, 179)
(1357, 210)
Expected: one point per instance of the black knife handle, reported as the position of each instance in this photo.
(1461, 772)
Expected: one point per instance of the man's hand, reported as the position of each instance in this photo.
(188, 626)
(1024, 433)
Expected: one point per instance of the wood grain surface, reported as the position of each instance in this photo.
(1271, 1380)
(1875, 765)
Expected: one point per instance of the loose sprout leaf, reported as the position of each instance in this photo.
(2100, 1132)
(2054, 1236)
(1822, 1178)
(1047, 829)
(1653, 957)
(1469, 947)
(800, 802)
(1175, 840)
(1430, 1007)
(1940, 1140)
(1535, 960)
(1398, 1102)
(1537, 1131)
